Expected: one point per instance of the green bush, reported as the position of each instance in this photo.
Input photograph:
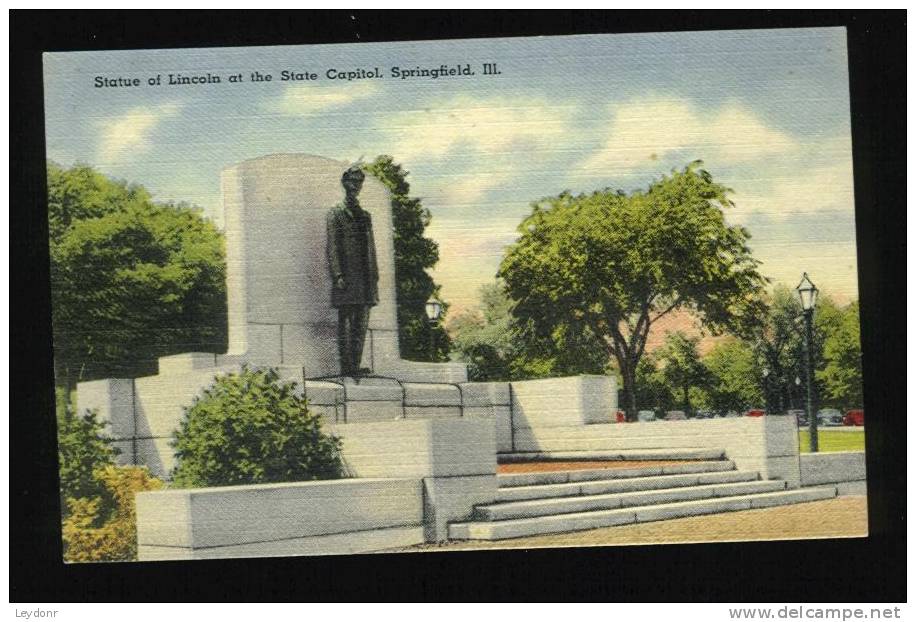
(82, 449)
(250, 428)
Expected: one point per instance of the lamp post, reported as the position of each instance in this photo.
(433, 313)
(766, 389)
(807, 292)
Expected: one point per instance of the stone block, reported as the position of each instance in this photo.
(428, 394)
(188, 361)
(371, 411)
(160, 401)
(113, 401)
(832, 467)
(576, 400)
(241, 515)
(333, 544)
(126, 456)
(502, 420)
(852, 488)
(485, 394)
(452, 499)
(418, 448)
(157, 455)
(324, 393)
(432, 412)
(413, 371)
(371, 389)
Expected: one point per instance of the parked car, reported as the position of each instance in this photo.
(704, 414)
(675, 415)
(755, 412)
(854, 417)
(801, 417)
(829, 417)
(646, 415)
(731, 414)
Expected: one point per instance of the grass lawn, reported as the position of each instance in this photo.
(834, 440)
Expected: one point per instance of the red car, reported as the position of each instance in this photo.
(854, 417)
(755, 412)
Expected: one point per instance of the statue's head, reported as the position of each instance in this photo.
(352, 179)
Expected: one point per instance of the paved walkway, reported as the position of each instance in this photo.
(843, 517)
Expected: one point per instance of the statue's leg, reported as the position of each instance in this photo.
(344, 334)
(360, 328)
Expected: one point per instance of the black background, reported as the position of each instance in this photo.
(870, 569)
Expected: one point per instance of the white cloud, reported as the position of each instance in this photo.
(488, 126)
(129, 134)
(486, 141)
(817, 189)
(307, 99)
(643, 131)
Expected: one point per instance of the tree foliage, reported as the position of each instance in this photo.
(841, 376)
(497, 346)
(131, 280)
(682, 369)
(780, 346)
(103, 527)
(614, 264)
(420, 339)
(734, 382)
(82, 450)
(251, 428)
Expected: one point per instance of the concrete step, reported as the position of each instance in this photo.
(587, 503)
(680, 453)
(629, 484)
(563, 476)
(560, 523)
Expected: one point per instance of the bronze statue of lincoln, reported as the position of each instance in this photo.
(354, 272)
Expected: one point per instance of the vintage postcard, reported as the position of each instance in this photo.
(515, 292)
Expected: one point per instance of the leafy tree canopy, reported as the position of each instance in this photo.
(734, 377)
(131, 280)
(420, 339)
(841, 376)
(497, 346)
(614, 263)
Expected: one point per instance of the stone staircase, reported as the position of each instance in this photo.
(572, 500)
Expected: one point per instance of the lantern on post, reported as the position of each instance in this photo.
(807, 294)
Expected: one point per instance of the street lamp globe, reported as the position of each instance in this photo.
(807, 293)
(433, 309)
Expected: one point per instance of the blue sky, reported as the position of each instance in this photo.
(767, 110)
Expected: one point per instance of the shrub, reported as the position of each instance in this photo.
(250, 428)
(82, 450)
(104, 528)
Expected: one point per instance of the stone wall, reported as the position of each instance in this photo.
(304, 518)
(765, 444)
(846, 469)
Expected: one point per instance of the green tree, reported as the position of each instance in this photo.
(682, 369)
(82, 449)
(841, 376)
(131, 280)
(497, 346)
(615, 264)
(251, 428)
(780, 347)
(420, 339)
(734, 376)
(652, 391)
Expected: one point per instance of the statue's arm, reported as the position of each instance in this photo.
(371, 259)
(334, 249)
